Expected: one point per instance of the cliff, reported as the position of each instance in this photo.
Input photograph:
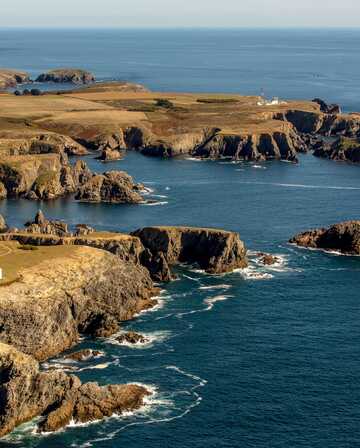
(85, 290)
(215, 251)
(11, 78)
(343, 149)
(343, 237)
(27, 392)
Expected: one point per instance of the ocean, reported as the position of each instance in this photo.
(266, 357)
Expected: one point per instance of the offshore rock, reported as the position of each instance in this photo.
(132, 338)
(343, 237)
(112, 186)
(83, 355)
(67, 75)
(215, 251)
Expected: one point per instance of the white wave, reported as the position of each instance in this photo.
(212, 300)
(320, 187)
(161, 196)
(167, 188)
(214, 287)
(259, 167)
(251, 273)
(196, 159)
(151, 339)
(326, 251)
(154, 204)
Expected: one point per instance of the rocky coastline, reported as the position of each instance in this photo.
(97, 281)
(343, 237)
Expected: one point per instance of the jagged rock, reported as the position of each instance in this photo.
(3, 225)
(107, 141)
(83, 355)
(327, 108)
(67, 75)
(11, 78)
(268, 259)
(113, 186)
(25, 391)
(83, 230)
(99, 325)
(44, 226)
(91, 402)
(343, 149)
(110, 155)
(216, 251)
(343, 237)
(3, 191)
(132, 338)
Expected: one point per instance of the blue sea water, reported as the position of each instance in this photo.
(266, 357)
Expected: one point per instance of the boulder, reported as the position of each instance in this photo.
(92, 402)
(132, 338)
(67, 75)
(267, 259)
(215, 251)
(84, 355)
(343, 237)
(110, 155)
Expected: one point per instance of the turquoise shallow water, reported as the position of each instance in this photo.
(261, 358)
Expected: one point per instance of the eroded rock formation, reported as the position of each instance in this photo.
(27, 392)
(343, 149)
(11, 78)
(67, 75)
(343, 237)
(84, 290)
(215, 251)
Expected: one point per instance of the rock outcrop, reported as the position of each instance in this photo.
(132, 338)
(11, 78)
(3, 225)
(49, 176)
(112, 186)
(84, 355)
(343, 149)
(327, 108)
(110, 155)
(82, 290)
(67, 75)
(215, 251)
(27, 392)
(42, 143)
(91, 402)
(343, 237)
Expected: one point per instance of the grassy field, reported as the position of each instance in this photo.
(14, 258)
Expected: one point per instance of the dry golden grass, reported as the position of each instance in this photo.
(13, 259)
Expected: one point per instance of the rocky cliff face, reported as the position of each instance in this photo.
(112, 186)
(320, 123)
(11, 78)
(343, 237)
(216, 251)
(78, 292)
(26, 392)
(49, 176)
(264, 146)
(67, 75)
(343, 149)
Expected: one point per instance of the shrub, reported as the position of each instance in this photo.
(17, 93)
(26, 92)
(162, 102)
(35, 92)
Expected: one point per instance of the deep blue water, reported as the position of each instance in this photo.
(287, 63)
(255, 359)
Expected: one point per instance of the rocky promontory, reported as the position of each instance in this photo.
(343, 237)
(215, 251)
(11, 78)
(67, 75)
(27, 392)
(344, 149)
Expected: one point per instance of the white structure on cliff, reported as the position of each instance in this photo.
(274, 102)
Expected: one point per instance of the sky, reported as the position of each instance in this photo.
(180, 13)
